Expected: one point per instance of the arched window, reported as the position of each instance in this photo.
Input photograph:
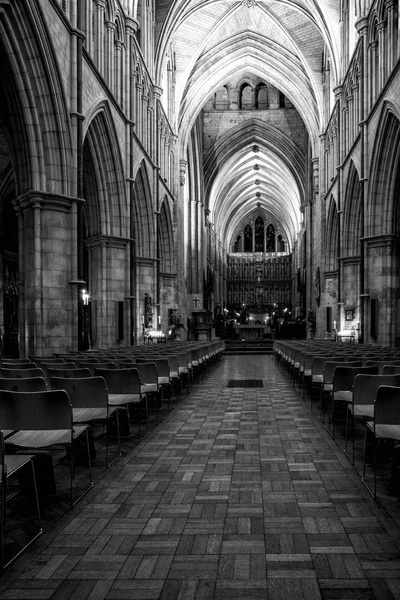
(281, 244)
(237, 246)
(259, 234)
(270, 238)
(281, 100)
(262, 97)
(248, 239)
(221, 99)
(246, 97)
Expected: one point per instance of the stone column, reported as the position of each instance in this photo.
(109, 57)
(139, 121)
(383, 58)
(47, 226)
(99, 44)
(391, 35)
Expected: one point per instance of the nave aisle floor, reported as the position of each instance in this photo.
(240, 493)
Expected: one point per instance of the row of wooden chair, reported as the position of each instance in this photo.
(354, 383)
(50, 401)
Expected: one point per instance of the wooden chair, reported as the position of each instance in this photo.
(391, 369)
(64, 371)
(46, 366)
(152, 386)
(175, 376)
(21, 373)
(125, 389)
(385, 425)
(38, 360)
(327, 382)
(185, 369)
(381, 364)
(342, 393)
(363, 400)
(43, 420)
(10, 465)
(14, 363)
(92, 366)
(89, 399)
(28, 384)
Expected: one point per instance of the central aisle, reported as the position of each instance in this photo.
(239, 494)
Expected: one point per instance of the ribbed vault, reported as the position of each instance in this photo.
(281, 42)
(254, 163)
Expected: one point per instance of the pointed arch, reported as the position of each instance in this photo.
(248, 238)
(382, 207)
(353, 214)
(143, 214)
(103, 185)
(165, 239)
(270, 238)
(259, 234)
(33, 111)
(332, 237)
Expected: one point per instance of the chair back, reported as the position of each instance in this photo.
(183, 360)
(366, 386)
(62, 372)
(85, 360)
(125, 361)
(381, 363)
(93, 366)
(17, 363)
(343, 377)
(390, 369)
(173, 364)
(121, 381)
(318, 363)
(387, 405)
(21, 373)
(28, 384)
(148, 372)
(162, 365)
(45, 359)
(35, 410)
(329, 369)
(83, 392)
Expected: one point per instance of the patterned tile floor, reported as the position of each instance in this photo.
(239, 493)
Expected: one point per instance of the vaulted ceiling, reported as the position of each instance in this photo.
(282, 42)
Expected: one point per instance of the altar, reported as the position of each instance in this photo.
(250, 332)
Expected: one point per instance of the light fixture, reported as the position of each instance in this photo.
(85, 297)
(249, 3)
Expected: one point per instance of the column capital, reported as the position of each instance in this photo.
(131, 25)
(362, 26)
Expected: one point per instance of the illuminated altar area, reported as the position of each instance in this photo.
(259, 289)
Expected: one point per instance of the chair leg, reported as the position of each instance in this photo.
(73, 502)
(4, 565)
(118, 441)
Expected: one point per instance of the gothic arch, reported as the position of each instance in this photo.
(384, 174)
(332, 237)
(32, 103)
(142, 213)
(165, 239)
(352, 224)
(103, 185)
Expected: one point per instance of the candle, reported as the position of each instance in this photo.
(159, 320)
(143, 319)
(334, 324)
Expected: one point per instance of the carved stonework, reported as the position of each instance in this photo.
(182, 172)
